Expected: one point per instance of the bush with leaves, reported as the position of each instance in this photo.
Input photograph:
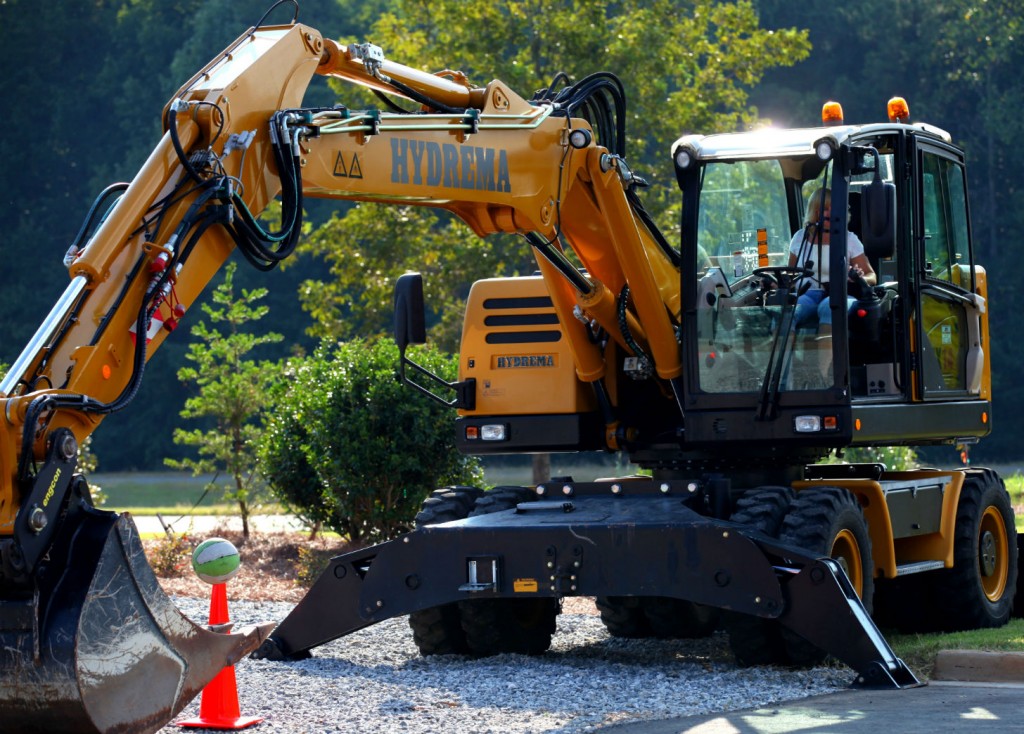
(352, 447)
(895, 458)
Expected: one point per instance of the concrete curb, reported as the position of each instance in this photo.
(979, 667)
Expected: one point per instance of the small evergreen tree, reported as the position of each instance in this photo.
(233, 391)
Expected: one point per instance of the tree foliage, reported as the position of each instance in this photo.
(232, 392)
(353, 448)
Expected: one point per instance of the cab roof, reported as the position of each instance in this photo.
(792, 142)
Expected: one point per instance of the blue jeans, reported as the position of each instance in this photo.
(814, 303)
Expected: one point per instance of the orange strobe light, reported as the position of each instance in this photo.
(832, 113)
(898, 110)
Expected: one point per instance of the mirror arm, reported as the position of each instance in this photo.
(465, 390)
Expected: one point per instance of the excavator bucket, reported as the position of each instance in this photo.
(97, 646)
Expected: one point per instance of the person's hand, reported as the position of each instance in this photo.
(859, 286)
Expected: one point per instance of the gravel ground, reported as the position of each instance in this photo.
(375, 681)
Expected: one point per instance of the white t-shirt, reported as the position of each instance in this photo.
(818, 261)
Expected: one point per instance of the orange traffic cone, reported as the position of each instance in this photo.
(218, 707)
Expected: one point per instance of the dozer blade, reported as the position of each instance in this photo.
(98, 646)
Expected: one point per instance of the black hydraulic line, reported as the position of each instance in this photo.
(392, 105)
(251, 239)
(627, 335)
(295, 15)
(593, 87)
(116, 306)
(644, 216)
(559, 261)
(548, 93)
(604, 402)
(90, 216)
(591, 94)
(423, 99)
(172, 128)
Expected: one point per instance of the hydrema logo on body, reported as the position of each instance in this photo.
(525, 360)
(449, 166)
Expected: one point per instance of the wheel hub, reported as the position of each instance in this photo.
(989, 554)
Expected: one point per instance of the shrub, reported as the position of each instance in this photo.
(172, 557)
(310, 564)
(895, 458)
(352, 447)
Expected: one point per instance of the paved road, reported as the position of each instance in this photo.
(938, 707)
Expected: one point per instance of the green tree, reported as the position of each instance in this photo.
(232, 392)
(355, 449)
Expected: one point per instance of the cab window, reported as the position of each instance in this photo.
(946, 245)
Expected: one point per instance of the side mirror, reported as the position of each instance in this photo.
(410, 328)
(410, 322)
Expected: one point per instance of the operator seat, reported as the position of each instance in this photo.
(871, 322)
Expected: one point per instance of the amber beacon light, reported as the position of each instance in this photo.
(898, 110)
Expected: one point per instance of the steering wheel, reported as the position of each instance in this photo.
(784, 275)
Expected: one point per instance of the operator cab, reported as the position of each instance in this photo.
(904, 359)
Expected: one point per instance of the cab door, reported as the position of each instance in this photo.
(950, 358)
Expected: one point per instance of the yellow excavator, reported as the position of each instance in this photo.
(692, 355)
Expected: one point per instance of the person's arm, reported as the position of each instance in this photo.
(862, 266)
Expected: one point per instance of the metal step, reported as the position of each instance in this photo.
(905, 569)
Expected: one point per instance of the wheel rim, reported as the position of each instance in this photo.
(992, 554)
(846, 551)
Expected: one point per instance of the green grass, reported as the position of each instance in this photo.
(919, 651)
(1015, 486)
(165, 493)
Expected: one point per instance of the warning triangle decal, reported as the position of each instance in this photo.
(339, 167)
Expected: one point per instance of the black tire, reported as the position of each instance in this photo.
(678, 619)
(828, 521)
(979, 590)
(623, 616)
(522, 625)
(501, 498)
(660, 617)
(438, 630)
(755, 640)
(496, 626)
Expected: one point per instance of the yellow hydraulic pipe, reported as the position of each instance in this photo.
(632, 256)
(345, 62)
